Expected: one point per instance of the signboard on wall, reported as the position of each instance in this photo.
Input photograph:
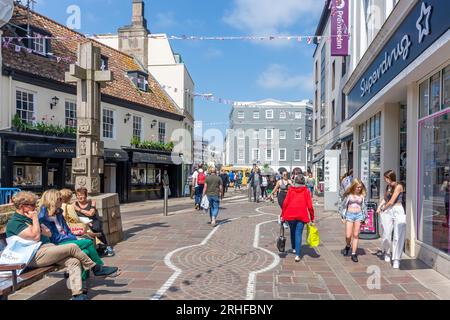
(339, 27)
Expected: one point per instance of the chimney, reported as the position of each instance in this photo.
(133, 39)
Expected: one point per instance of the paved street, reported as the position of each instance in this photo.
(182, 257)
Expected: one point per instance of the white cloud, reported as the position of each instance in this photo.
(262, 17)
(278, 77)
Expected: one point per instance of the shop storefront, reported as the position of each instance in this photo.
(398, 105)
(146, 171)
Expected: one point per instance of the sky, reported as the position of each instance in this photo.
(233, 70)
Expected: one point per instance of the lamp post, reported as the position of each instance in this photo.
(306, 156)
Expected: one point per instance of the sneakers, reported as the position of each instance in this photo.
(102, 271)
(293, 251)
(396, 264)
(387, 257)
(213, 222)
(354, 257)
(80, 297)
(297, 259)
(345, 251)
(109, 252)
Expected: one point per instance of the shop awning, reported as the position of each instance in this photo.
(116, 155)
(18, 148)
(140, 157)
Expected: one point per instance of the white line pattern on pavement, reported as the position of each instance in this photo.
(177, 273)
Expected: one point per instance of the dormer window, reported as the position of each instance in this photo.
(37, 40)
(104, 63)
(140, 79)
(39, 43)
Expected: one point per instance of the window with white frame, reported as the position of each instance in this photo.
(297, 155)
(298, 134)
(137, 127)
(282, 134)
(256, 134)
(162, 132)
(298, 115)
(241, 154)
(255, 154)
(269, 134)
(269, 155)
(269, 114)
(283, 115)
(282, 155)
(39, 43)
(25, 106)
(241, 134)
(255, 114)
(71, 114)
(108, 123)
(241, 115)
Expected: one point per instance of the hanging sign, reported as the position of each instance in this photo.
(339, 28)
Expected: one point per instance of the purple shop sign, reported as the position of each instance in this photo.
(339, 28)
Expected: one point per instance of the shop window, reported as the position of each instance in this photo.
(434, 181)
(71, 114)
(424, 101)
(435, 93)
(25, 106)
(139, 174)
(446, 88)
(27, 175)
(151, 174)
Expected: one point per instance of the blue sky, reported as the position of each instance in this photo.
(235, 70)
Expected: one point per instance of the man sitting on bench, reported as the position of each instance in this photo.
(25, 224)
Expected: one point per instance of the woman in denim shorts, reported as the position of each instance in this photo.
(353, 210)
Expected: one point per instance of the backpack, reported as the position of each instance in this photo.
(201, 178)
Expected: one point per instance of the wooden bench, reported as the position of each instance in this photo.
(29, 276)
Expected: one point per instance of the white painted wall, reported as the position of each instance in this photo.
(122, 131)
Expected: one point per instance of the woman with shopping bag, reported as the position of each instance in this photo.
(297, 210)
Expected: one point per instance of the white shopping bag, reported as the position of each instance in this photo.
(205, 203)
(18, 251)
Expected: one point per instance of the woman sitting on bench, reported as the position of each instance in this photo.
(50, 215)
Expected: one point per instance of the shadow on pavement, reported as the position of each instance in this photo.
(140, 227)
(413, 264)
(308, 251)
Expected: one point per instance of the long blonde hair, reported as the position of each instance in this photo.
(49, 200)
(352, 189)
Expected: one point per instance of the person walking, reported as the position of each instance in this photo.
(199, 178)
(297, 210)
(311, 184)
(353, 210)
(264, 185)
(256, 182)
(282, 186)
(238, 180)
(225, 181)
(213, 190)
(393, 219)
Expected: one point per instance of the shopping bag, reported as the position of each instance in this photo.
(18, 251)
(312, 235)
(205, 203)
(281, 240)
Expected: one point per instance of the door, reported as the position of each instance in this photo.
(54, 176)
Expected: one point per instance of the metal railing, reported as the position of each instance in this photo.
(6, 194)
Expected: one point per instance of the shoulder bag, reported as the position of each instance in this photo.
(281, 240)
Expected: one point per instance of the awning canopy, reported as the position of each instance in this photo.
(116, 155)
(19, 148)
(140, 157)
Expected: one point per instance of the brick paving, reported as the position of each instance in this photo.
(219, 268)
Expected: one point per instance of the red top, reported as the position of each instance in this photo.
(297, 204)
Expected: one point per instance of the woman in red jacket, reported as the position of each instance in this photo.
(297, 210)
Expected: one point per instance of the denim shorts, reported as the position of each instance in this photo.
(353, 217)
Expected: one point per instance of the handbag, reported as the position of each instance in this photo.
(18, 251)
(281, 240)
(205, 203)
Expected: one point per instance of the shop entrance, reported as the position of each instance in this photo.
(54, 176)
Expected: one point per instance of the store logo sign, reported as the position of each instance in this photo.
(425, 12)
(400, 51)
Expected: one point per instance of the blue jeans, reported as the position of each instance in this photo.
(296, 235)
(198, 194)
(214, 204)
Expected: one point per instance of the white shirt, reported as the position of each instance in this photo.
(194, 177)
